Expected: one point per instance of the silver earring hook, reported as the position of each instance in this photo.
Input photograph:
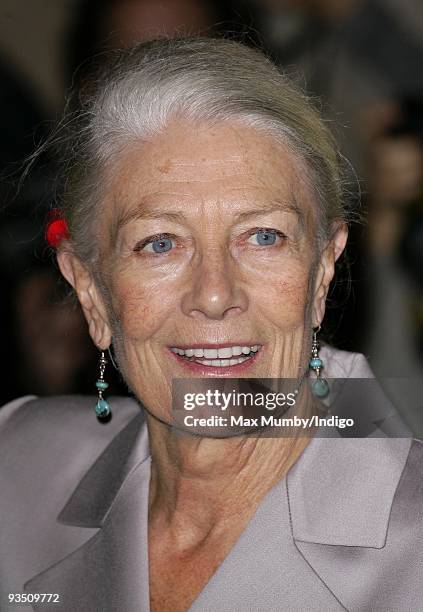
(111, 359)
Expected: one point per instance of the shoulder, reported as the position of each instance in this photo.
(408, 499)
(47, 448)
(410, 488)
(75, 411)
(36, 433)
(398, 566)
(344, 364)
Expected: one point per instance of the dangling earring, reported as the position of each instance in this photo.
(320, 386)
(102, 407)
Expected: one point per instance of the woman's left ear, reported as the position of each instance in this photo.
(326, 269)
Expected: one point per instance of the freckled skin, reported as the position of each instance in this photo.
(166, 167)
(216, 284)
(196, 186)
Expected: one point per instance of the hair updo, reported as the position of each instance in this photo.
(140, 90)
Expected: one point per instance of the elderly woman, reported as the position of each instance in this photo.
(205, 217)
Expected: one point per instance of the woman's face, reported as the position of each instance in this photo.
(209, 261)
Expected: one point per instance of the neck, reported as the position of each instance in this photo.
(199, 484)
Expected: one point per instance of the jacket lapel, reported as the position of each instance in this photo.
(110, 570)
(341, 491)
(340, 497)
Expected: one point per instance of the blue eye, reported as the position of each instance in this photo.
(156, 244)
(162, 245)
(265, 237)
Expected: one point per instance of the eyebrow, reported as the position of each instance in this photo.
(179, 217)
(149, 214)
(139, 213)
(274, 206)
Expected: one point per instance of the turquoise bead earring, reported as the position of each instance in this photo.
(102, 407)
(320, 385)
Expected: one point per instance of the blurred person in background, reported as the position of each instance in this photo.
(42, 336)
(99, 26)
(353, 53)
(394, 245)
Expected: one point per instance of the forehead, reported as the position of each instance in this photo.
(210, 163)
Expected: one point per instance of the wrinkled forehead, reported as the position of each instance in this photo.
(228, 164)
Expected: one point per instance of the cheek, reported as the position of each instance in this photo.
(141, 311)
(288, 299)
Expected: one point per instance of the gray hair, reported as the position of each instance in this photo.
(199, 79)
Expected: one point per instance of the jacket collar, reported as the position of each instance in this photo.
(333, 476)
(343, 462)
(341, 490)
(95, 494)
(339, 493)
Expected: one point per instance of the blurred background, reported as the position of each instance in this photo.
(362, 62)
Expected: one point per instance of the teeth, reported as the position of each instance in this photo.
(221, 357)
(178, 351)
(221, 353)
(221, 363)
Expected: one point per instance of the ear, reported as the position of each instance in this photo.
(326, 270)
(89, 297)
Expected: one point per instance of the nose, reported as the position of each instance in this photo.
(214, 288)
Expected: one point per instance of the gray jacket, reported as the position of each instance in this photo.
(342, 531)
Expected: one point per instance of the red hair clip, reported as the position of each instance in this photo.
(57, 228)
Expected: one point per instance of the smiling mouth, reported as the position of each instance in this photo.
(218, 357)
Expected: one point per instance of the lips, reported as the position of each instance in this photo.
(219, 359)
